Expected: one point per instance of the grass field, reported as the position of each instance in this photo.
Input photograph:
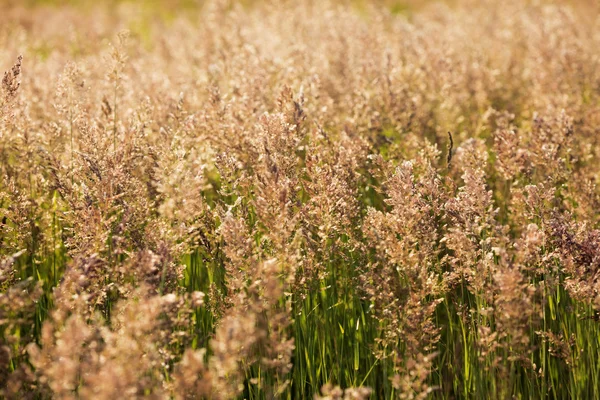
(300, 199)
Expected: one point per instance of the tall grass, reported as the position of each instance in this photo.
(331, 200)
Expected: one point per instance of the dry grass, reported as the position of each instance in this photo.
(300, 199)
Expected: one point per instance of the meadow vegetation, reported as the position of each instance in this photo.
(300, 199)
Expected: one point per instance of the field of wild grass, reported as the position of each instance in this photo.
(300, 200)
